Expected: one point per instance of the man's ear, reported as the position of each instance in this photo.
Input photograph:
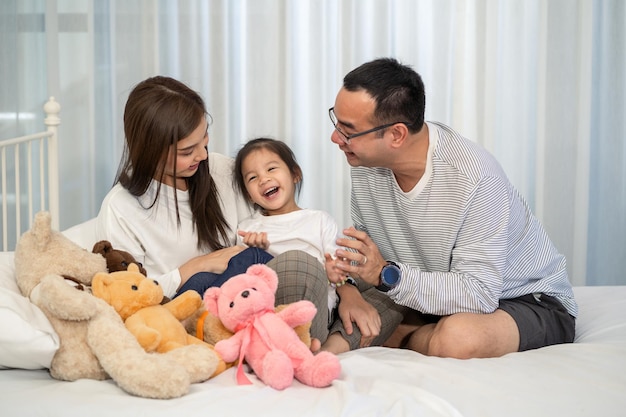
(400, 133)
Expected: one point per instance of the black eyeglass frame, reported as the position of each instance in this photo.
(347, 138)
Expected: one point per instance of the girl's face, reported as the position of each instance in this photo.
(187, 155)
(269, 182)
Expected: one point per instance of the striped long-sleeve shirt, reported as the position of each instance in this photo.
(464, 237)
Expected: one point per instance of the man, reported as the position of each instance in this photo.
(440, 229)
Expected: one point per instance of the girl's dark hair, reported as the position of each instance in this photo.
(397, 89)
(159, 112)
(278, 147)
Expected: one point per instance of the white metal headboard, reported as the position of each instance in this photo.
(30, 178)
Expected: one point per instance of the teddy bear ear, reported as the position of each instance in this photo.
(210, 299)
(99, 283)
(266, 273)
(102, 247)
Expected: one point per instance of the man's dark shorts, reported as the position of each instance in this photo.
(541, 319)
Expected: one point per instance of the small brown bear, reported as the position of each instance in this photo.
(117, 260)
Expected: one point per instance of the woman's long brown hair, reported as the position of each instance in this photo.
(159, 112)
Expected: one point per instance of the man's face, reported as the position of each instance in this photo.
(355, 133)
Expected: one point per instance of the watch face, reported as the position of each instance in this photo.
(390, 275)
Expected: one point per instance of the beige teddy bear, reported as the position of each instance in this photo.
(95, 344)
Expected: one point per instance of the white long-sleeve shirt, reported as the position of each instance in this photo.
(463, 236)
(312, 231)
(153, 236)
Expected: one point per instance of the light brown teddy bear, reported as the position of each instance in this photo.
(94, 343)
(156, 326)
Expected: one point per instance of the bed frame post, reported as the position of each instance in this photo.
(52, 121)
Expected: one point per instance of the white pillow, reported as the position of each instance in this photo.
(27, 339)
(83, 234)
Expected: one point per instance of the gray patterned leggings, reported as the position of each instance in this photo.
(302, 277)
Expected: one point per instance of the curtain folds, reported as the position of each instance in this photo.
(541, 84)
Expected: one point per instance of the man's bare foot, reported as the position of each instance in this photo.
(336, 344)
(413, 320)
(400, 336)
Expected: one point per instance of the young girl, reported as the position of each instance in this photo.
(267, 172)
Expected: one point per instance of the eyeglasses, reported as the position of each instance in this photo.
(346, 138)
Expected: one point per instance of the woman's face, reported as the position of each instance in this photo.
(187, 155)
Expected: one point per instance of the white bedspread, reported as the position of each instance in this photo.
(587, 378)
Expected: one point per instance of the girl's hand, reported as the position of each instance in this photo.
(255, 239)
(335, 275)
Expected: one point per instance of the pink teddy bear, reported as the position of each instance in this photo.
(264, 338)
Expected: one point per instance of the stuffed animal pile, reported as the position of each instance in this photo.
(157, 327)
(264, 338)
(94, 342)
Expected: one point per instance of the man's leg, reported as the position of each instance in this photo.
(391, 315)
(467, 335)
(527, 322)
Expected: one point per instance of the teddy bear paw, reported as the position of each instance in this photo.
(200, 362)
(277, 370)
(319, 370)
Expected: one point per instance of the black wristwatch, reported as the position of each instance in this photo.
(389, 276)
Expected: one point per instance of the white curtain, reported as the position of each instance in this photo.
(539, 83)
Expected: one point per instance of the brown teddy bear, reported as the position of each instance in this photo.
(94, 342)
(116, 259)
(156, 326)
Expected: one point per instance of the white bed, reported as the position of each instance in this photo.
(586, 378)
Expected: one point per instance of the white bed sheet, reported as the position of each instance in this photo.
(587, 378)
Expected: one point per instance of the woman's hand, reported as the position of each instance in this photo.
(255, 239)
(354, 308)
(215, 262)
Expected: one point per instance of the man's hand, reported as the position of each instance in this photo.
(366, 262)
(353, 308)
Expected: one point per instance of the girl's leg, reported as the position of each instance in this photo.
(302, 277)
(238, 264)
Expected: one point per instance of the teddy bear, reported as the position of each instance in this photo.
(264, 338)
(94, 342)
(208, 327)
(116, 259)
(157, 327)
